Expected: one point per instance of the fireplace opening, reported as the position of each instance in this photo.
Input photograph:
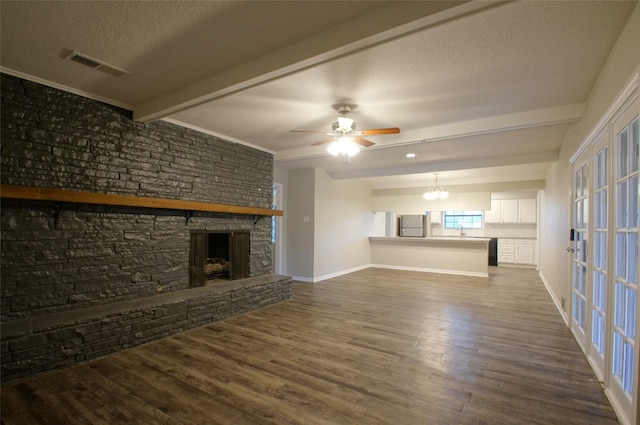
(218, 256)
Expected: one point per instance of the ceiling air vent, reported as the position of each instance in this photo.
(95, 64)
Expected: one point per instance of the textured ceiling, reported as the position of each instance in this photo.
(472, 85)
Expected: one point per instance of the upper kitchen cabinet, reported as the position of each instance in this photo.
(494, 215)
(509, 211)
(517, 211)
(436, 217)
(527, 211)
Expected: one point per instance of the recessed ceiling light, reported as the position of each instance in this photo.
(410, 155)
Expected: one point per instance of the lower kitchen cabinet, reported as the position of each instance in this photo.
(524, 251)
(506, 251)
(516, 251)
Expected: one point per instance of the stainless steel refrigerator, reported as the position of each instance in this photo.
(416, 226)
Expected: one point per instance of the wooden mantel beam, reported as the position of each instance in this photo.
(61, 195)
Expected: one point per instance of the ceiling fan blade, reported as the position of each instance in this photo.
(362, 142)
(323, 141)
(391, 130)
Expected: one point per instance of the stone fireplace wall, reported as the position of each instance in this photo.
(94, 255)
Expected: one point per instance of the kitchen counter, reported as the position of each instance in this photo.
(433, 239)
(459, 255)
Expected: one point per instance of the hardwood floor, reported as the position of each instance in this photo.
(372, 347)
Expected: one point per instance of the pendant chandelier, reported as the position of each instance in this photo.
(435, 192)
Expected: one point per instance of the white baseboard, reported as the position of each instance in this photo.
(618, 408)
(563, 313)
(384, 266)
(340, 273)
(302, 279)
(428, 270)
(330, 275)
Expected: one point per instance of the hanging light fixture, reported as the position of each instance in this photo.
(435, 192)
(343, 146)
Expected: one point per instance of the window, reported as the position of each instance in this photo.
(466, 219)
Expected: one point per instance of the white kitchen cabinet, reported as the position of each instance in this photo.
(509, 210)
(522, 211)
(493, 215)
(524, 251)
(506, 251)
(516, 251)
(436, 217)
(527, 210)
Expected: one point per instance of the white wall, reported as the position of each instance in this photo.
(554, 261)
(554, 225)
(334, 240)
(343, 220)
(300, 204)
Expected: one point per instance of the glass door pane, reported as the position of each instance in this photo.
(600, 250)
(625, 303)
(580, 310)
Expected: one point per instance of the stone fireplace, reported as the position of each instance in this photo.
(84, 280)
(62, 256)
(218, 255)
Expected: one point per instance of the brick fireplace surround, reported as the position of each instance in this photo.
(81, 281)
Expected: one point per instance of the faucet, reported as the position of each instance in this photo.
(462, 232)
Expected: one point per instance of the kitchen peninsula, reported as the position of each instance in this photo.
(466, 256)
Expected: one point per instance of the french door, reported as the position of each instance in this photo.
(598, 310)
(604, 260)
(580, 250)
(623, 380)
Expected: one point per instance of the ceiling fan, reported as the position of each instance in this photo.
(344, 137)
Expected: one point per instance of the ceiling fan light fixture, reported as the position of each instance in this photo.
(345, 124)
(435, 192)
(344, 139)
(343, 146)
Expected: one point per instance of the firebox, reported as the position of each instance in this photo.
(218, 255)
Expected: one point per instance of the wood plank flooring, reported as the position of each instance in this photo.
(372, 347)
